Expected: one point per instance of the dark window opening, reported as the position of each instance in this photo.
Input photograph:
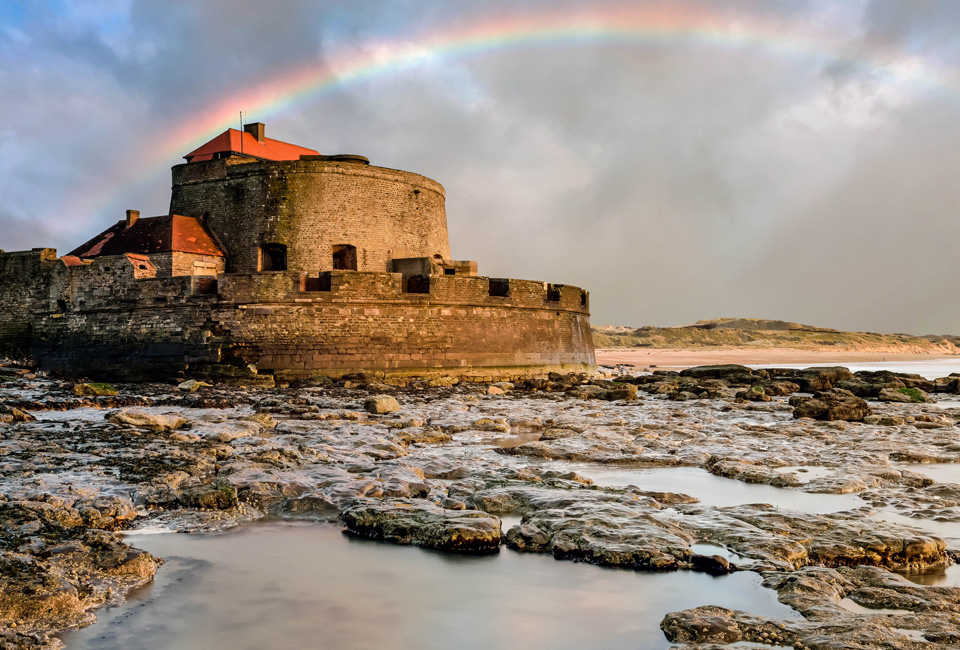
(418, 284)
(583, 298)
(273, 257)
(204, 285)
(61, 305)
(143, 266)
(320, 283)
(449, 271)
(344, 257)
(499, 288)
(553, 293)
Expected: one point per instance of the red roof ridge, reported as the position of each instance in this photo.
(232, 142)
(162, 234)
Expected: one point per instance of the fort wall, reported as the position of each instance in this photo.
(24, 286)
(114, 317)
(311, 206)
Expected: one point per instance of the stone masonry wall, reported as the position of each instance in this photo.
(310, 206)
(24, 282)
(365, 321)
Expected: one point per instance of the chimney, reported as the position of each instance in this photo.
(132, 216)
(256, 129)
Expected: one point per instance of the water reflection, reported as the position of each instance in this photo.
(295, 586)
(937, 576)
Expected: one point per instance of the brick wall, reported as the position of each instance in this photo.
(310, 206)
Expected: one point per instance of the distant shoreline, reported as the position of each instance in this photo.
(671, 359)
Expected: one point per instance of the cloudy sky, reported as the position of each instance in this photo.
(794, 159)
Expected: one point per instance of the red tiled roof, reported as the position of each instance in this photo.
(229, 142)
(71, 260)
(164, 234)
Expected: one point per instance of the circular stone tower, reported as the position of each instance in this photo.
(317, 213)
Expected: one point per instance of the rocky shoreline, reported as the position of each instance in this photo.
(442, 466)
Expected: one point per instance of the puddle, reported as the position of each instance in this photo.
(807, 473)
(937, 577)
(854, 608)
(509, 521)
(714, 490)
(939, 472)
(949, 531)
(282, 585)
(916, 635)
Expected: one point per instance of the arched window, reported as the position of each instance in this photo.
(273, 257)
(344, 257)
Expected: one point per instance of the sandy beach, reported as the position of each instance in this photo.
(672, 359)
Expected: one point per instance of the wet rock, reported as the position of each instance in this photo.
(192, 385)
(730, 373)
(885, 420)
(812, 380)
(713, 564)
(221, 496)
(422, 523)
(755, 393)
(106, 512)
(66, 569)
(832, 404)
(152, 421)
(612, 534)
(381, 404)
(94, 390)
(780, 388)
(702, 625)
(865, 389)
(588, 392)
(11, 414)
(625, 392)
(904, 394)
(783, 538)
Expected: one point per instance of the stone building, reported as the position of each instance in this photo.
(282, 262)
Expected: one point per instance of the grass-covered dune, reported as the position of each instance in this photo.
(760, 333)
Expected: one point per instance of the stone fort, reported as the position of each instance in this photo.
(278, 262)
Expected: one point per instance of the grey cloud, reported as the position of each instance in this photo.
(675, 181)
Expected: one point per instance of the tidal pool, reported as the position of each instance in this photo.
(713, 490)
(939, 472)
(937, 577)
(283, 585)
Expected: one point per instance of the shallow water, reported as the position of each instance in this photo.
(939, 472)
(937, 577)
(282, 585)
(714, 490)
(855, 608)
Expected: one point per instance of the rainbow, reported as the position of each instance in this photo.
(642, 26)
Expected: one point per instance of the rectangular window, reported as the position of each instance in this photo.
(204, 268)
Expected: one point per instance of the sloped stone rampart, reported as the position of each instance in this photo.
(119, 323)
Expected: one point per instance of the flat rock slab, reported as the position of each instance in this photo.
(421, 523)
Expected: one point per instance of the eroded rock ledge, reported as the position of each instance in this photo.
(440, 465)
